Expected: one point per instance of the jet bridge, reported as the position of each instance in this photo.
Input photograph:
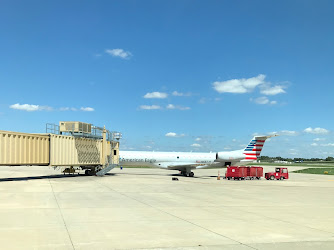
(69, 145)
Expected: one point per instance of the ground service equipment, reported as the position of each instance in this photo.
(279, 174)
(242, 173)
(71, 146)
(236, 173)
(254, 172)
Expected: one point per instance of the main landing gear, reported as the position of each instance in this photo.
(185, 173)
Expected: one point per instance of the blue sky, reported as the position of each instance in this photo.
(173, 75)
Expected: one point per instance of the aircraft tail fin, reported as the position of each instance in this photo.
(254, 148)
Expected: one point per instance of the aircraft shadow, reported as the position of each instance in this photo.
(28, 178)
(61, 176)
(158, 174)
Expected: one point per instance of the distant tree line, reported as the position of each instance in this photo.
(278, 158)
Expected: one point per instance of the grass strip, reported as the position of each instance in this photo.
(330, 171)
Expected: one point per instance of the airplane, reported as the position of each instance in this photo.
(186, 161)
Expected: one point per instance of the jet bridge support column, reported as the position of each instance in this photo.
(104, 146)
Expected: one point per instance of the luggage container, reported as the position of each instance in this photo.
(236, 173)
(254, 172)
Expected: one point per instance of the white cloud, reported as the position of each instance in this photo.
(316, 130)
(263, 100)
(30, 107)
(119, 53)
(172, 106)
(172, 134)
(239, 86)
(319, 139)
(323, 145)
(202, 100)
(328, 145)
(158, 95)
(198, 139)
(175, 93)
(288, 132)
(68, 109)
(268, 90)
(196, 145)
(149, 107)
(87, 109)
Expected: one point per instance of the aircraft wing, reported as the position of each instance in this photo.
(186, 165)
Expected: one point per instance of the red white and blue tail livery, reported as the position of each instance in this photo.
(254, 148)
(243, 156)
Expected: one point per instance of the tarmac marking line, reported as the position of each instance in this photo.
(61, 213)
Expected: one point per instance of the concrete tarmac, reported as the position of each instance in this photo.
(145, 209)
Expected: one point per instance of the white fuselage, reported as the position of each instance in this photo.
(186, 161)
(178, 160)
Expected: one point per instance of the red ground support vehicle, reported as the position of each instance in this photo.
(254, 172)
(236, 173)
(279, 174)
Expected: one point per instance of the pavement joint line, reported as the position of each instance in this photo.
(237, 207)
(281, 220)
(206, 245)
(255, 185)
(177, 216)
(61, 213)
